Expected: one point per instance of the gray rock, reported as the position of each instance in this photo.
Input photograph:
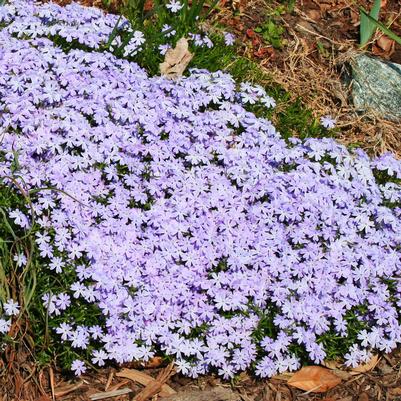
(376, 86)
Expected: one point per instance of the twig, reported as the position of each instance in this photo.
(109, 380)
(67, 389)
(154, 387)
(109, 394)
(51, 379)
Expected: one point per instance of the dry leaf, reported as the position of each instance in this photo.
(176, 60)
(363, 397)
(366, 367)
(145, 380)
(283, 376)
(383, 47)
(395, 391)
(153, 363)
(333, 365)
(314, 379)
(342, 374)
(313, 14)
(148, 5)
(336, 367)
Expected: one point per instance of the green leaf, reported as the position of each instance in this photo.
(382, 27)
(367, 27)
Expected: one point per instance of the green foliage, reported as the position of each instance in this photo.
(367, 28)
(189, 19)
(17, 282)
(271, 29)
(382, 27)
(289, 5)
(184, 21)
(28, 282)
(271, 33)
(369, 24)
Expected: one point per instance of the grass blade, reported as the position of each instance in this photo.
(367, 27)
(382, 27)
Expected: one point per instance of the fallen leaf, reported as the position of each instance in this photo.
(332, 364)
(313, 14)
(342, 374)
(265, 52)
(153, 363)
(250, 33)
(383, 47)
(366, 367)
(176, 60)
(395, 391)
(145, 380)
(283, 376)
(148, 5)
(314, 379)
(363, 397)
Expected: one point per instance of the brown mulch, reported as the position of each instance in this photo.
(383, 383)
(321, 35)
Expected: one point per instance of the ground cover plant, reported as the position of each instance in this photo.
(171, 218)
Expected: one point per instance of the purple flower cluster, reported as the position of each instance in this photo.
(85, 26)
(91, 28)
(189, 221)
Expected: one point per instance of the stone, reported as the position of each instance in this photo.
(376, 86)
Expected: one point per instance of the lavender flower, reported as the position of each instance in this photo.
(174, 6)
(163, 49)
(168, 31)
(229, 38)
(187, 213)
(78, 367)
(5, 326)
(11, 307)
(328, 122)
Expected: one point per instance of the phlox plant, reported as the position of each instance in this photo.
(18, 262)
(187, 15)
(152, 27)
(177, 222)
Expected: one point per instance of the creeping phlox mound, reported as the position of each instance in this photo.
(191, 224)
